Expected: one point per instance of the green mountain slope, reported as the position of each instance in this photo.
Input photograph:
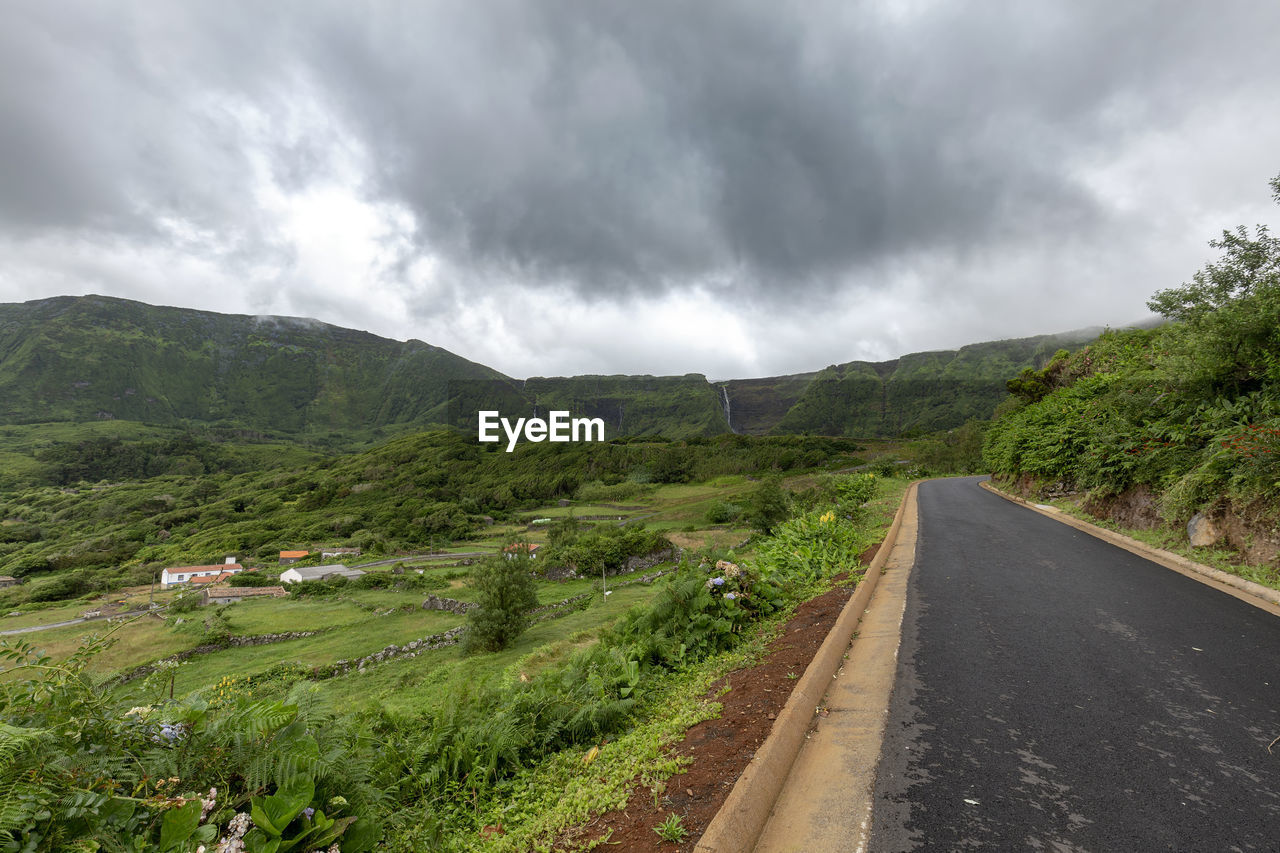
(99, 358)
(89, 359)
(920, 392)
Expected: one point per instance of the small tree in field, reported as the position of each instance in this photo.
(507, 593)
(768, 505)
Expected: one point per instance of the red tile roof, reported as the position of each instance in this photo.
(203, 579)
(220, 567)
(293, 555)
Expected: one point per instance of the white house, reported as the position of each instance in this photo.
(317, 573)
(184, 574)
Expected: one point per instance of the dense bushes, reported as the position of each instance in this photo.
(1190, 409)
(724, 512)
(599, 549)
(113, 458)
(80, 772)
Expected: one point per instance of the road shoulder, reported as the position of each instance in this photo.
(826, 801)
(740, 822)
(1264, 598)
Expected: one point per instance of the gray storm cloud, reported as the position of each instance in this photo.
(618, 150)
(629, 146)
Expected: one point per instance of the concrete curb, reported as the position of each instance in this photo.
(1256, 594)
(740, 820)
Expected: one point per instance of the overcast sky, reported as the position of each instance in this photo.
(726, 187)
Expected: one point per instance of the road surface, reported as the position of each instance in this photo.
(1057, 693)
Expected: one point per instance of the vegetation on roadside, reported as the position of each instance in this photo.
(1189, 410)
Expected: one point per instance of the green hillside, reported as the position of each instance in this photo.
(93, 359)
(1158, 426)
(402, 495)
(98, 358)
(920, 392)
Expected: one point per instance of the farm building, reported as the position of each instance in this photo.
(5, 580)
(290, 557)
(340, 553)
(528, 548)
(186, 574)
(317, 573)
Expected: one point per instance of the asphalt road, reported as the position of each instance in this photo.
(1058, 693)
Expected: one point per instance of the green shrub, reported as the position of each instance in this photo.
(885, 466)
(57, 588)
(592, 550)
(671, 829)
(506, 592)
(812, 546)
(723, 512)
(108, 786)
(767, 505)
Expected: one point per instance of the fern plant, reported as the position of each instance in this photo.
(78, 771)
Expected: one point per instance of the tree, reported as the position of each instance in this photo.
(768, 505)
(506, 593)
(1230, 312)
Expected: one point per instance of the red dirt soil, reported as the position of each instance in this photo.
(722, 748)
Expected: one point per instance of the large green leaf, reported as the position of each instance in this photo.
(178, 825)
(273, 814)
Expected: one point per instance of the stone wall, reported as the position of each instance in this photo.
(207, 648)
(392, 652)
(451, 605)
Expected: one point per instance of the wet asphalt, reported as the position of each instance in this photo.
(1057, 693)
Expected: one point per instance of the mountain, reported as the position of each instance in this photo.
(95, 358)
(99, 358)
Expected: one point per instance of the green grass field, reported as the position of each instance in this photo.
(411, 684)
(357, 622)
(26, 619)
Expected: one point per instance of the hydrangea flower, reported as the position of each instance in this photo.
(169, 732)
(731, 570)
(731, 596)
(718, 581)
(208, 803)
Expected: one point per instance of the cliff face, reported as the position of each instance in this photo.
(918, 392)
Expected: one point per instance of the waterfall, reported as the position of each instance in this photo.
(728, 419)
